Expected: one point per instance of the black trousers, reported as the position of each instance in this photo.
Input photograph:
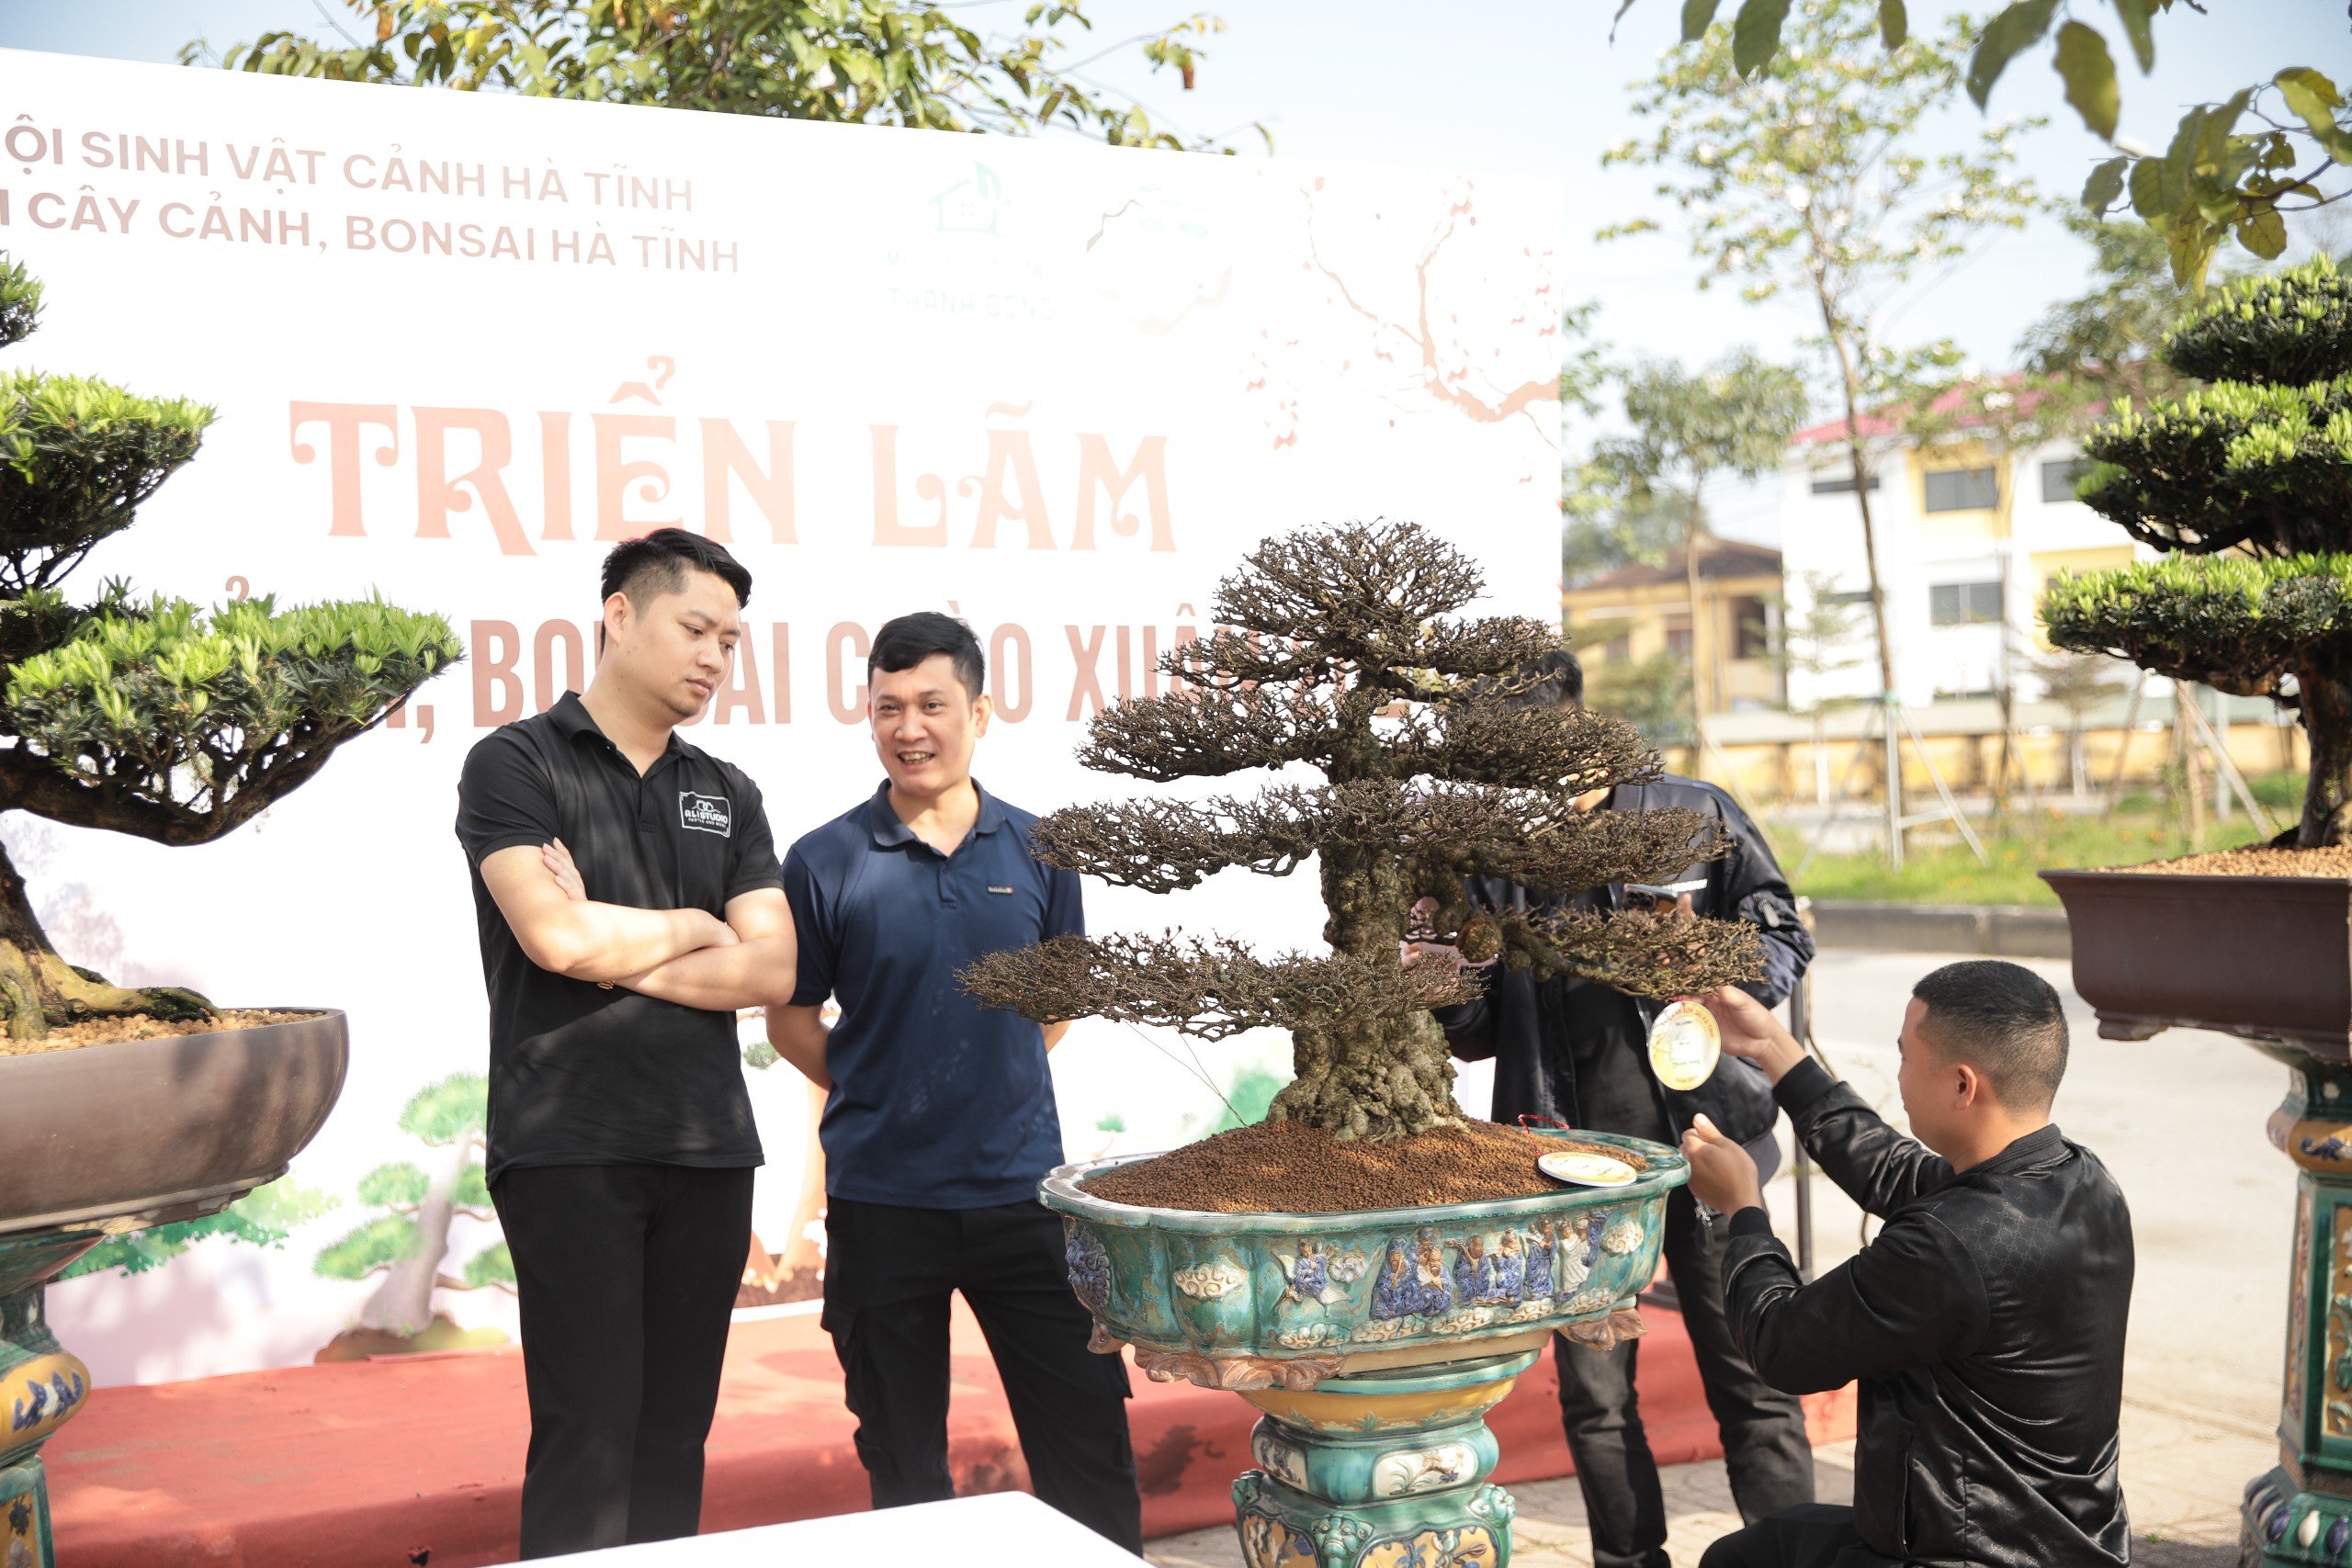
(626, 1275)
(1818, 1535)
(888, 1274)
(1763, 1429)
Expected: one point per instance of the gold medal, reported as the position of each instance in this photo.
(1685, 1045)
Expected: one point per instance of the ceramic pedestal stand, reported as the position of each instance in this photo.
(2301, 1511)
(2263, 958)
(41, 1384)
(1374, 1343)
(1400, 1457)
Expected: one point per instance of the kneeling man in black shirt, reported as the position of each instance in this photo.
(1985, 1322)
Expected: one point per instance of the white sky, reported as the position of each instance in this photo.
(1522, 87)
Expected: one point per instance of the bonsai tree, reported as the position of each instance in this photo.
(2245, 482)
(1339, 649)
(150, 717)
(408, 1241)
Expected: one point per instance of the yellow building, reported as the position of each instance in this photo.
(1637, 612)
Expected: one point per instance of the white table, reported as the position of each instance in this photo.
(999, 1528)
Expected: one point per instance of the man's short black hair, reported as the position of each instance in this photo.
(2002, 1019)
(907, 640)
(1558, 681)
(645, 569)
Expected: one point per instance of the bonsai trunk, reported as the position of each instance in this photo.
(2327, 697)
(38, 989)
(1367, 1078)
(403, 1304)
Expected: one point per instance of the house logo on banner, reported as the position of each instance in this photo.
(460, 343)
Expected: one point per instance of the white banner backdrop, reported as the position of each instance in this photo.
(460, 342)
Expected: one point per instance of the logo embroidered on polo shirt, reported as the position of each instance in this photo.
(995, 889)
(704, 813)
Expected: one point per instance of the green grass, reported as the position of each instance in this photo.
(2020, 845)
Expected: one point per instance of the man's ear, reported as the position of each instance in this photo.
(983, 710)
(1968, 1085)
(614, 618)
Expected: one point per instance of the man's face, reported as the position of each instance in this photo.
(1924, 1080)
(925, 726)
(677, 646)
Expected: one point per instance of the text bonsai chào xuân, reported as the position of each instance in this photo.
(134, 1107)
(1368, 1266)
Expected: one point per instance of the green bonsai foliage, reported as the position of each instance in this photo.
(2247, 483)
(155, 718)
(1339, 649)
(409, 1241)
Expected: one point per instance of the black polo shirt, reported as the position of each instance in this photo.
(589, 1074)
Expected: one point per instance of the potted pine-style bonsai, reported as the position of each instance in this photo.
(1367, 1265)
(2245, 484)
(132, 1107)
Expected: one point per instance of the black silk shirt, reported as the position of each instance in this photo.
(1985, 1324)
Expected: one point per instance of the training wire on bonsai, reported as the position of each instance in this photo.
(2245, 484)
(158, 719)
(1308, 1252)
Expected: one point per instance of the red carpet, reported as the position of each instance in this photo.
(417, 1462)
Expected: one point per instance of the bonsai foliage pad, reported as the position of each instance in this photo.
(362, 1463)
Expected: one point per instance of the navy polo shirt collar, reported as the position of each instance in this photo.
(890, 831)
(572, 720)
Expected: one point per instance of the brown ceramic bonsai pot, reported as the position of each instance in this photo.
(2268, 958)
(152, 1131)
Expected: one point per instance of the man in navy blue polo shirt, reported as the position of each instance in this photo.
(939, 1116)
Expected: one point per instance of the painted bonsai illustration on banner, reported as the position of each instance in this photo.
(1055, 390)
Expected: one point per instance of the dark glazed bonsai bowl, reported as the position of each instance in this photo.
(2265, 957)
(143, 1132)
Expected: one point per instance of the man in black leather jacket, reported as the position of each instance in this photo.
(1985, 1322)
(1577, 1051)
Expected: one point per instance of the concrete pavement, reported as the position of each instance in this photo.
(2179, 1120)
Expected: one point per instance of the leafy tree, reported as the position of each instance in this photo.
(407, 1243)
(1735, 417)
(2218, 178)
(150, 717)
(1340, 648)
(865, 61)
(263, 1217)
(2246, 483)
(2078, 682)
(1653, 694)
(1611, 517)
(2106, 339)
(1799, 174)
(1816, 639)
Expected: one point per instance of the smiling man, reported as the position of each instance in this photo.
(621, 1142)
(939, 1113)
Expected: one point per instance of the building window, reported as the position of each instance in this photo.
(1838, 484)
(1751, 636)
(2059, 476)
(1962, 489)
(1963, 604)
(1678, 641)
(1618, 648)
(1858, 597)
